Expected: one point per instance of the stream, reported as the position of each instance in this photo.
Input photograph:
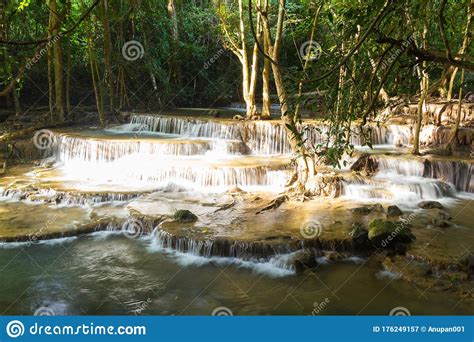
(64, 250)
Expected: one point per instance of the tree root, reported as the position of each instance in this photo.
(226, 206)
(275, 203)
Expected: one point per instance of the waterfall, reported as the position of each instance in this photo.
(214, 155)
(457, 173)
(411, 180)
(70, 148)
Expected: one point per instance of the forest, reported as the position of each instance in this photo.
(280, 137)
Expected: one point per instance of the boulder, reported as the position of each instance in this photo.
(393, 210)
(366, 163)
(361, 211)
(437, 218)
(359, 232)
(430, 205)
(183, 215)
(302, 260)
(360, 236)
(367, 209)
(383, 233)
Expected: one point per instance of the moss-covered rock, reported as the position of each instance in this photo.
(385, 233)
(361, 211)
(367, 209)
(359, 232)
(184, 215)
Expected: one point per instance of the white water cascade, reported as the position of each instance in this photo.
(216, 155)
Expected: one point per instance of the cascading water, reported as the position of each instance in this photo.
(205, 156)
(411, 180)
(213, 156)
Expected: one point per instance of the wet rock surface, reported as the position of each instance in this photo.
(393, 210)
(430, 205)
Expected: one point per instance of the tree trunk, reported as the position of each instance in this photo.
(175, 67)
(58, 62)
(97, 85)
(419, 119)
(3, 48)
(254, 68)
(266, 102)
(465, 46)
(247, 89)
(16, 101)
(68, 77)
(109, 77)
(287, 117)
(424, 85)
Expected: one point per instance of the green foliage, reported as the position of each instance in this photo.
(209, 74)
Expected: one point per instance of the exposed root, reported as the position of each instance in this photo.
(275, 203)
(226, 206)
(292, 180)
